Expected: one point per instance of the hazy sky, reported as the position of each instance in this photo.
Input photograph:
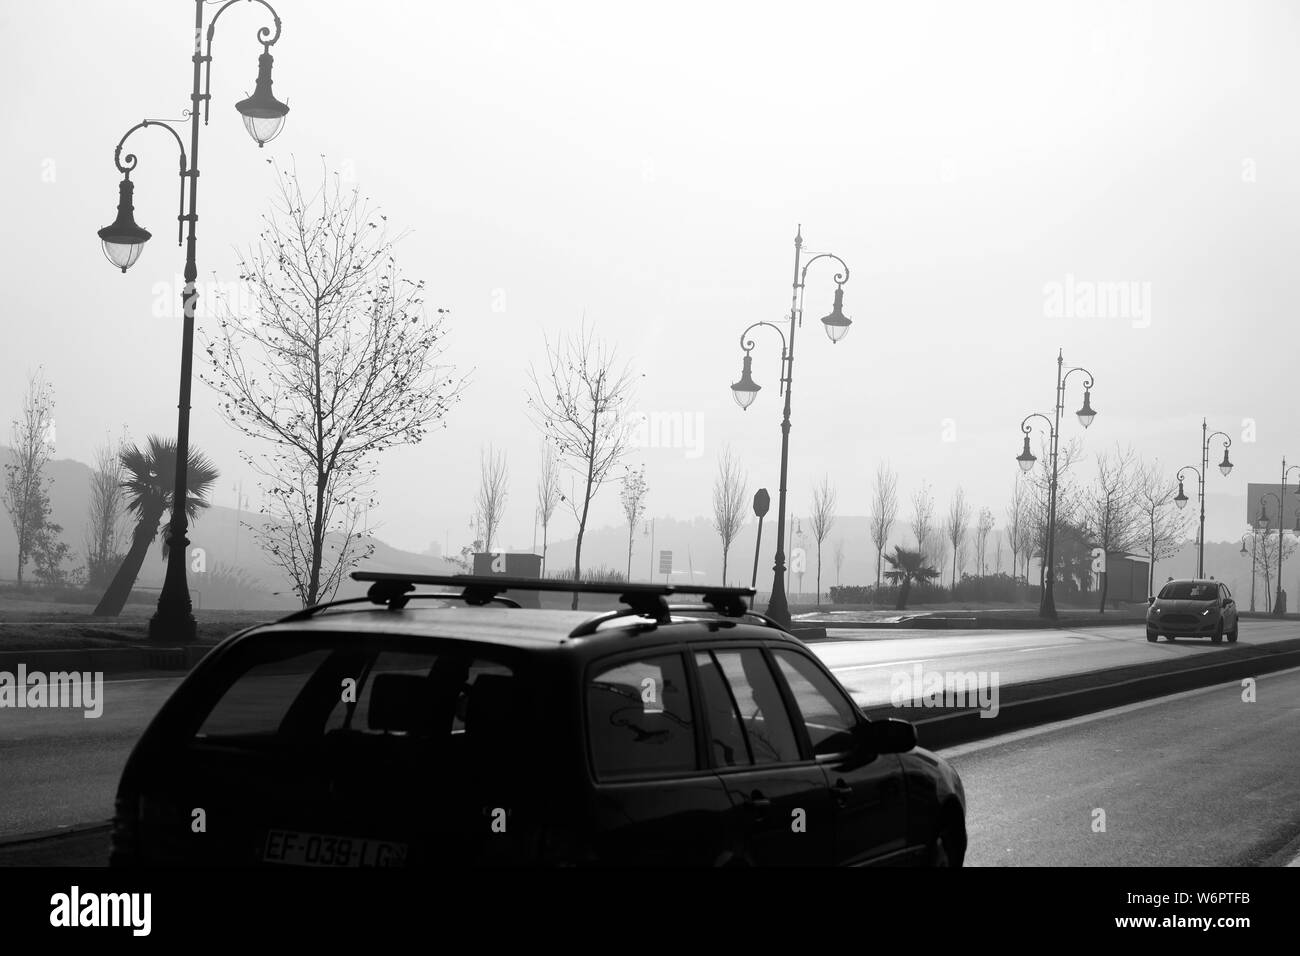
(982, 167)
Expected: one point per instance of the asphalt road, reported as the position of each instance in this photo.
(1196, 779)
(61, 769)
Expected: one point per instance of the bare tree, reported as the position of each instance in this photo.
(105, 527)
(997, 553)
(26, 487)
(884, 511)
(493, 484)
(335, 365)
(923, 522)
(937, 546)
(1164, 527)
(1268, 561)
(954, 528)
(1017, 522)
(580, 401)
(1109, 509)
(728, 503)
(982, 531)
(823, 519)
(633, 496)
(548, 493)
(839, 559)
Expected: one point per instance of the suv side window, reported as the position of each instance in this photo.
(762, 710)
(726, 737)
(639, 719)
(829, 718)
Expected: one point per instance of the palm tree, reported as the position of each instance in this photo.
(151, 477)
(904, 568)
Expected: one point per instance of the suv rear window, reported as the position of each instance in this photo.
(361, 689)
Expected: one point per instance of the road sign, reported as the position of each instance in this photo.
(798, 561)
(665, 562)
(762, 501)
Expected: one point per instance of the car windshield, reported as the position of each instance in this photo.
(1189, 591)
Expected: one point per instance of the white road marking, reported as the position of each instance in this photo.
(143, 680)
(863, 667)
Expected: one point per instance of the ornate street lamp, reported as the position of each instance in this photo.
(837, 323)
(1225, 467)
(263, 113)
(123, 241)
(746, 390)
(1085, 414)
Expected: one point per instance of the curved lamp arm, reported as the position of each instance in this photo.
(1199, 477)
(840, 277)
(1028, 429)
(1087, 383)
(747, 344)
(262, 34)
(128, 162)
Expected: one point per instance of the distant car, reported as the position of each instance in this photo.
(450, 733)
(1193, 608)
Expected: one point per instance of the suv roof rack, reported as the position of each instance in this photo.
(591, 626)
(392, 589)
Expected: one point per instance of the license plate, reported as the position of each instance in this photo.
(294, 848)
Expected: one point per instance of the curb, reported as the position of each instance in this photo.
(75, 829)
(110, 660)
(1048, 701)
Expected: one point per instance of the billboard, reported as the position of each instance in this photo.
(1267, 496)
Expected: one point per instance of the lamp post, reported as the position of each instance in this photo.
(1180, 499)
(1085, 414)
(1281, 518)
(123, 241)
(1252, 565)
(746, 390)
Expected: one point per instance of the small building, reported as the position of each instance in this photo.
(515, 565)
(1127, 578)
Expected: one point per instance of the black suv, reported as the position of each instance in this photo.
(468, 730)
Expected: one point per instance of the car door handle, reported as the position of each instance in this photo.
(842, 792)
(758, 804)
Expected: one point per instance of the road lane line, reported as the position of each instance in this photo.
(143, 680)
(863, 667)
